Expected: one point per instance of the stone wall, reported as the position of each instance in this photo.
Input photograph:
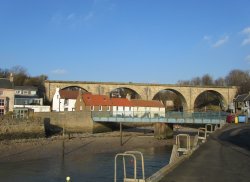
(21, 128)
(71, 122)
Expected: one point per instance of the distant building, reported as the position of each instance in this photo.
(89, 102)
(148, 108)
(6, 96)
(64, 100)
(26, 97)
(119, 107)
(242, 104)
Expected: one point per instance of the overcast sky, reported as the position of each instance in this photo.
(150, 41)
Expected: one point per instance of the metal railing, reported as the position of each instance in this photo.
(169, 117)
(133, 155)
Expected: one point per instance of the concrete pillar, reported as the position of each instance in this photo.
(163, 130)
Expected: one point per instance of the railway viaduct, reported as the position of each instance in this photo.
(187, 94)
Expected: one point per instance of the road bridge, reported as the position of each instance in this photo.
(187, 94)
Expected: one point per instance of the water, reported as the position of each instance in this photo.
(82, 168)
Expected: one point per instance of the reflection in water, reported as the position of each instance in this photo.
(89, 168)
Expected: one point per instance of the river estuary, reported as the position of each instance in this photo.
(87, 167)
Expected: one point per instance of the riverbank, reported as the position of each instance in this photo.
(32, 149)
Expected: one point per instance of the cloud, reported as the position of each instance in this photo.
(221, 42)
(71, 17)
(246, 33)
(248, 59)
(207, 38)
(59, 71)
(246, 41)
(89, 16)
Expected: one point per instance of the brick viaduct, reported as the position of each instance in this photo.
(188, 94)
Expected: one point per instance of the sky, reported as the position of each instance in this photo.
(142, 41)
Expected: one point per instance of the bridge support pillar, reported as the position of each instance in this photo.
(163, 130)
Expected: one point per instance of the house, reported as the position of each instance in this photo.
(64, 100)
(242, 104)
(121, 107)
(27, 97)
(148, 108)
(89, 102)
(6, 95)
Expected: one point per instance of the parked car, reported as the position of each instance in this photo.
(230, 118)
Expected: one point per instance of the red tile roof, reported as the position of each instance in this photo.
(120, 102)
(147, 103)
(68, 94)
(96, 100)
(103, 100)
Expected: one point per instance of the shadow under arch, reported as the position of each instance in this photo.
(124, 92)
(74, 88)
(210, 100)
(172, 100)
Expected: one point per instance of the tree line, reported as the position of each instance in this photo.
(22, 78)
(236, 77)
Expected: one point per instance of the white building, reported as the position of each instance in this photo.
(137, 108)
(121, 107)
(64, 100)
(148, 108)
(26, 97)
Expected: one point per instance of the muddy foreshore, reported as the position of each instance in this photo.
(30, 149)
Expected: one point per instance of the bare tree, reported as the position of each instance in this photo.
(196, 81)
(207, 80)
(184, 82)
(239, 78)
(220, 82)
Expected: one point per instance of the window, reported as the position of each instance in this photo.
(1, 112)
(92, 108)
(66, 102)
(26, 92)
(18, 91)
(80, 108)
(1, 102)
(108, 109)
(100, 108)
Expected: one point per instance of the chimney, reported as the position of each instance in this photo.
(11, 77)
(128, 96)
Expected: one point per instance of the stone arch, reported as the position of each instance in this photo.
(74, 88)
(215, 98)
(178, 94)
(123, 91)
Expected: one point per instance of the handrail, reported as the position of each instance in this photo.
(178, 143)
(123, 155)
(142, 161)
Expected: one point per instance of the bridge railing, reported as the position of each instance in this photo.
(147, 116)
